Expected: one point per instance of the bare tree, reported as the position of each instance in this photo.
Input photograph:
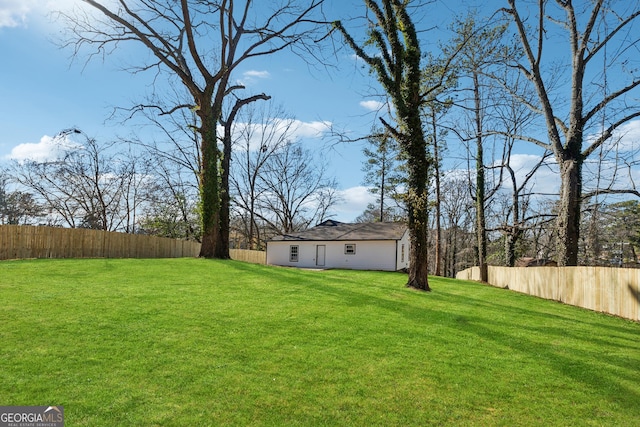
(89, 185)
(514, 118)
(457, 223)
(600, 34)
(200, 43)
(436, 140)
(295, 190)
(172, 210)
(481, 48)
(439, 76)
(175, 153)
(259, 132)
(17, 207)
(225, 191)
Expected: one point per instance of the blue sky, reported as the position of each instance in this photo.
(43, 91)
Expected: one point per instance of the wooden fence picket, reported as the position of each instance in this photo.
(609, 290)
(25, 241)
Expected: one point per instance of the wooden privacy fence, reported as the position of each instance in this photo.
(24, 241)
(609, 290)
(254, 257)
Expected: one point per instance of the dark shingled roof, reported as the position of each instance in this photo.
(334, 230)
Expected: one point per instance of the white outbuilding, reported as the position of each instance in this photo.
(333, 244)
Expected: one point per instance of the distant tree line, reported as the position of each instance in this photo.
(277, 188)
(471, 124)
(502, 90)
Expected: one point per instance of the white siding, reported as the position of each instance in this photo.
(370, 254)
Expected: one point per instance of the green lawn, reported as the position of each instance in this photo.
(192, 342)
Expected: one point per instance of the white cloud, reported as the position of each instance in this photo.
(523, 163)
(48, 149)
(372, 105)
(627, 136)
(252, 76)
(256, 74)
(358, 61)
(16, 13)
(13, 13)
(354, 201)
(278, 129)
(546, 179)
(311, 129)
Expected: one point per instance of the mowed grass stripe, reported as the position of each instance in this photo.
(177, 342)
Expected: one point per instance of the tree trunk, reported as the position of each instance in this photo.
(510, 250)
(453, 251)
(419, 164)
(253, 245)
(400, 73)
(382, 186)
(419, 249)
(222, 242)
(481, 232)
(209, 190)
(568, 222)
(436, 173)
(514, 232)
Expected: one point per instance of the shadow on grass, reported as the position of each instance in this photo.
(576, 366)
(524, 311)
(568, 350)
